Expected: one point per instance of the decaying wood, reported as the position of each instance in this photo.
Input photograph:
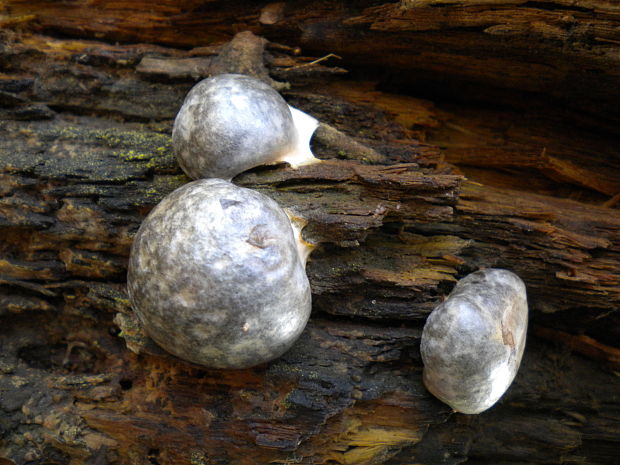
(86, 153)
(565, 48)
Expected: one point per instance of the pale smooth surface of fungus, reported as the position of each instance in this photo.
(230, 123)
(473, 342)
(216, 276)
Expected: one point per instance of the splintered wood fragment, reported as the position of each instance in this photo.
(4, 280)
(16, 20)
(346, 146)
(583, 344)
(317, 61)
(176, 68)
(596, 178)
(612, 202)
(244, 55)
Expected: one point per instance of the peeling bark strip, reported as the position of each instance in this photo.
(85, 153)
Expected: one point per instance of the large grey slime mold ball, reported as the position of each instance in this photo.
(216, 276)
(231, 123)
(473, 342)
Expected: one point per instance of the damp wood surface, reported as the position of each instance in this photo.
(488, 139)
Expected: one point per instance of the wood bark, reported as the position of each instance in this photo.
(487, 138)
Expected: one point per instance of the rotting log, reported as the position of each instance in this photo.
(86, 154)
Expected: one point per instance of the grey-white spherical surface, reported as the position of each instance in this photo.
(473, 342)
(216, 278)
(230, 123)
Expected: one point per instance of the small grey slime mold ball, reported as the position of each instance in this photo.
(231, 123)
(217, 278)
(473, 342)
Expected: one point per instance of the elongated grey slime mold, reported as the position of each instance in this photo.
(217, 276)
(230, 123)
(472, 343)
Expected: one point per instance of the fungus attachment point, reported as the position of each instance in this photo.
(473, 342)
(304, 248)
(305, 125)
(230, 123)
(216, 278)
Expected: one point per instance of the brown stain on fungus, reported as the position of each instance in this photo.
(507, 337)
